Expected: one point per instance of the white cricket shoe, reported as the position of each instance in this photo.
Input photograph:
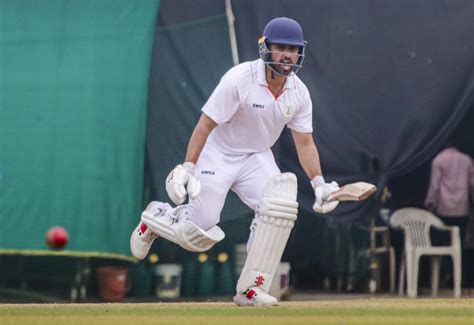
(142, 237)
(255, 297)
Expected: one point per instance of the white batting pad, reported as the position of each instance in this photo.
(184, 232)
(274, 219)
(196, 239)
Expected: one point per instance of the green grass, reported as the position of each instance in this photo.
(353, 311)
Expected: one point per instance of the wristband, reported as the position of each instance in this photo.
(189, 166)
(318, 180)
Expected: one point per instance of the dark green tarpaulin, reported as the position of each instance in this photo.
(73, 92)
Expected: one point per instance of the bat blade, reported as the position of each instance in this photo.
(353, 192)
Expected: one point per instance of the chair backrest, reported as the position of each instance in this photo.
(416, 224)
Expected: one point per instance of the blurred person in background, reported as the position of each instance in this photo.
(452, 177)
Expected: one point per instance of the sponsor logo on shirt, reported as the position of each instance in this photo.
(288, 110)
(258, 106)
(207, 172)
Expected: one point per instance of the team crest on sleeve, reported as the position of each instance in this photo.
(288, 110)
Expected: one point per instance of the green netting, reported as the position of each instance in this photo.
(73, 93)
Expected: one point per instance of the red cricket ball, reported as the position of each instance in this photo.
(57, 237)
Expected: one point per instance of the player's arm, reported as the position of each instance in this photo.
(307, 153)
(181, 181)
(309, 159)
(431, 201)
(472, 173)
(199, 137)
(219, 108)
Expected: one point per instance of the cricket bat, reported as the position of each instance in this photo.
(353, 192)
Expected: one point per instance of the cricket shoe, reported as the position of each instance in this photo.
(255, 297)
(142, 237)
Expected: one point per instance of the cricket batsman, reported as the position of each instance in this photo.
(230, 150)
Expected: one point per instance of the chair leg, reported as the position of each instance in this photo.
(412, 273)
(401, 275)
(435, 266)
(411, 286)
(457, 274)
(392, 269)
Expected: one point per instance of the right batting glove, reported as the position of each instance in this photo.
(322, 190)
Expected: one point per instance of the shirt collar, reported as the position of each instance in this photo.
(261, 80)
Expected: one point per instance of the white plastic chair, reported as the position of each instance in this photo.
(416, 224)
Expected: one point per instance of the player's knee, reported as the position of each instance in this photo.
(209, 222)
(279, 197)
(204, 219)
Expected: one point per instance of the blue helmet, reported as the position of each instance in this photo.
(284, 31)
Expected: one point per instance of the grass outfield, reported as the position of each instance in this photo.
(360, 311)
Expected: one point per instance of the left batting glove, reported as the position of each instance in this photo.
(180, 176)
(322, 190)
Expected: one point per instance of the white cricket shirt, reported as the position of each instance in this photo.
(250, 119)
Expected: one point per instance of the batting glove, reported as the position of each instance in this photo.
(322, 190)
(180, 176)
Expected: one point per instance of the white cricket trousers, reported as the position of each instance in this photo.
(247, 175)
